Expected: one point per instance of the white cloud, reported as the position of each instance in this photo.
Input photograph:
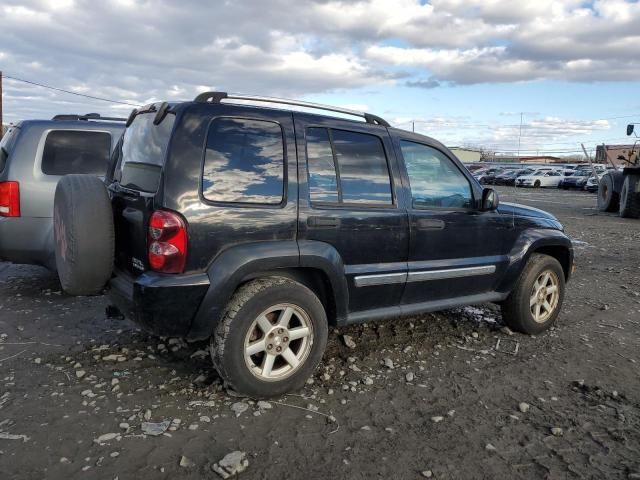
(136, 51)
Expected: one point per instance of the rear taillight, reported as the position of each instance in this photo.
(9, 199)
(167, 240)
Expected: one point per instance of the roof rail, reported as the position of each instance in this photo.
(87, 116)
(217, 97)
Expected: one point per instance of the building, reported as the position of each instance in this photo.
(466, 155)
(617, 154)
(537, 159)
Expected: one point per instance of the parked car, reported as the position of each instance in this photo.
(540, 178)
(509, 178)
(580, 176)
(258, 228)
(35, 155)
(592, 183)
(486, 176)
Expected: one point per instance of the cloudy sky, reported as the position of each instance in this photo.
(463, 70)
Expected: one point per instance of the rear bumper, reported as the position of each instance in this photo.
(27, 240)
(163, 304)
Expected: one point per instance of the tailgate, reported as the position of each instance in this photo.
(137, 177)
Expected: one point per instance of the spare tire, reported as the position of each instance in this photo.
(630, 197)
(83, 234)
(608, 198)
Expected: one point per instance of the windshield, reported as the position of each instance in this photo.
(143, 151)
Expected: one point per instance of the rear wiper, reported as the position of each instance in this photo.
(115, 187)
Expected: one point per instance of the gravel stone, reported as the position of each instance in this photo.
(348, 341)
(232, 464)
(239, 408)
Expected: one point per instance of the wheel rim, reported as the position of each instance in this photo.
(278, 342)
(544, 296)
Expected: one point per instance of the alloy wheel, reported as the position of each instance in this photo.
(544, 296)
(278, 342)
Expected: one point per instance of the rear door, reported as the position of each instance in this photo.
(455, 249)
(349, 187)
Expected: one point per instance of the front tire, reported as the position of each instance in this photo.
(271, 339)
(534, 304)
(537, 184)
(608, 198)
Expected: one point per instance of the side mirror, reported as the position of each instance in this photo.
(490, 200)
(630, 129)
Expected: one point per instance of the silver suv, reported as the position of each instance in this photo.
(34, 155)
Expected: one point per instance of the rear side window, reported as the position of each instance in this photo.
(244, 162)
(75, 151)
(323, 181)
(362, 175)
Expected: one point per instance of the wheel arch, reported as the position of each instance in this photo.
(537, 240)
(562, 253)
(318, 267)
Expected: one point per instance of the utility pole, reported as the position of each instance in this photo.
(520, 136)
(413, 123)
(1, 123)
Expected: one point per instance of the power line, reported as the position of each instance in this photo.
(70, 92)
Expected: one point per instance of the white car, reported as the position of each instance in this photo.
(540, 178)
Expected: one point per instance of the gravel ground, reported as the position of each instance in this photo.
(427, 397)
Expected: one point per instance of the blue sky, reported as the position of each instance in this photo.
(462, 69)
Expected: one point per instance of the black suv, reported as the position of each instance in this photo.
(258, 227)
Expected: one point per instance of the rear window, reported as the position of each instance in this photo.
(76, 151)
(244, 162)
(143, 151)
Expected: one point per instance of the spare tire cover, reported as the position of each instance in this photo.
(83, 234)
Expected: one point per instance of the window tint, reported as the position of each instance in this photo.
(144, 148)
(323, 183)
(74, 151)
(363, 171)
(435, 181)
(244, 162)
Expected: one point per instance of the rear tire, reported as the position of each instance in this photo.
(608, 198)
(83, 234)
(534, 304)
(630, 197)
(537, 184)
(261, 348)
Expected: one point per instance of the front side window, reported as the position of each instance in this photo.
(244, 162)
(362, 175)
(434, 179)
(76, 151)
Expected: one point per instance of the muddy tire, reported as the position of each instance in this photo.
(83, 234)
(630, 197)
(271, 339)
(608, 198)
(534, 304)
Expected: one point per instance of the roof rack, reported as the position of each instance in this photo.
(217, 97)
(87, 116)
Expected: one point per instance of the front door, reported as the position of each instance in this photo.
(456, 250)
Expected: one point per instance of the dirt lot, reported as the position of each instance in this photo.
(426, 396)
